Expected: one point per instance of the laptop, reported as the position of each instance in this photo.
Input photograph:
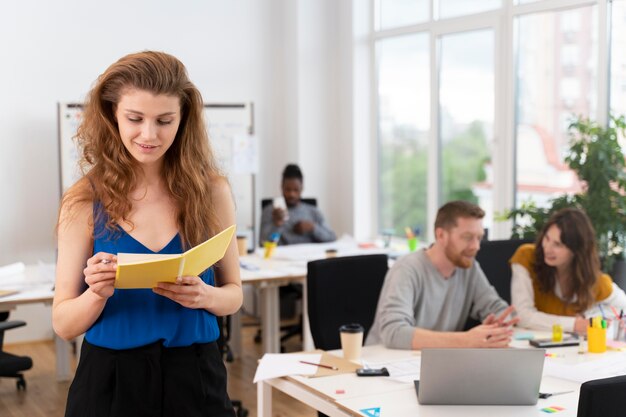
(480, 376)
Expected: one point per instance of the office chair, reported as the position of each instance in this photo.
(341, 291)
(603, 398)
(223, 324)
(11, 365)
(493, 258)
(288, 295)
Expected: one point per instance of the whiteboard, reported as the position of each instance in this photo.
(231, 133)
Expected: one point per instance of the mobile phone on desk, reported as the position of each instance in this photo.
(549, 343)
(372, 372)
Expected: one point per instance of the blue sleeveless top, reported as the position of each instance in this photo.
(138, 317)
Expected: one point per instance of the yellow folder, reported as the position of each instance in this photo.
(139, 270)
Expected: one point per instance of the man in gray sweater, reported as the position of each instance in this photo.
(428, 295)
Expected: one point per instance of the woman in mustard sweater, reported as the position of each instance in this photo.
(558, 279)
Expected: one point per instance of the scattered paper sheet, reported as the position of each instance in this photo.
(613, 364)
(274, 365)
(406, 370)
(12, 269)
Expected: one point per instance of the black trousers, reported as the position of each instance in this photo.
(150, 381)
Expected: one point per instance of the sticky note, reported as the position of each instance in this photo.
(523, 336)
(552, 409)
(371, 412)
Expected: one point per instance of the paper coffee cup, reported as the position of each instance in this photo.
(351, 340)
(242, 245)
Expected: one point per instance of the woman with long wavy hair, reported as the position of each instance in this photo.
(558, 279)
(150, 185)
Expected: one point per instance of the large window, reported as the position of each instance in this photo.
(556, 79)
(618, 61)
(395, 13)
(403, 124)
(474, 98)
(454, 8)
(466, 97)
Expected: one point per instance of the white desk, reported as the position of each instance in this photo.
(346, 394)
(288, 264)
(34, 285)
(269, 275)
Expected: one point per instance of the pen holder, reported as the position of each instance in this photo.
(596, 340)
(412, 243)
(269, 249)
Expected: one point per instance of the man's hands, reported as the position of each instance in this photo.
(278, 216)
(303, 227)
(494, 332)
(500, 320)
(489, 336)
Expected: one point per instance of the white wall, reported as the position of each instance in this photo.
(281, 54)
(292, 58)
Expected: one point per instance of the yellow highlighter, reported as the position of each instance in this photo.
(557, 333)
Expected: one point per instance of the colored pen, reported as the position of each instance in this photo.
(602, 311)
(614, 310)
(321, 365)
(275, 237)
(409, 232)
(544, 395)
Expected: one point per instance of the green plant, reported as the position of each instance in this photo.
(597, 158)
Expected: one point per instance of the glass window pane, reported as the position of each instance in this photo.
(395, 13)
(618, 61)
(466, 117)
(403, 125)
(453, 8)
(556, 79)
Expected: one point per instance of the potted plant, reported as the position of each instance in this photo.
(597, 158)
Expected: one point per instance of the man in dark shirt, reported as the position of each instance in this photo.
(301, 222)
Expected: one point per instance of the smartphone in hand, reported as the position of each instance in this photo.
(279, 202)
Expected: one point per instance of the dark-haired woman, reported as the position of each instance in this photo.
(558, 279)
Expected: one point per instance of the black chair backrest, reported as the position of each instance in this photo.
(603, 398)
(268, 201)
(493, 258)
(340, 291)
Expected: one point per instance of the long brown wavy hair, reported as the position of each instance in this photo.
(578, 235)
(109, 170)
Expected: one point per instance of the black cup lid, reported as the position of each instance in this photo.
(351, 328)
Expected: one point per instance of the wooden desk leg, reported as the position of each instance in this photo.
(63, 354)
(270, 319)
(263, 399)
